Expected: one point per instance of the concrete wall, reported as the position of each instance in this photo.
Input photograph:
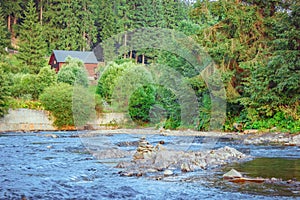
(108, 120)
(26, 120)
(36, 120)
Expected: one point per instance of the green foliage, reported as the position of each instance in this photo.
(70, 106)
(23, 103)
(58, 100)
(73, 72)
(25, 86)
(4, 93)
(255, 45)
(155, 104)
(168, 101)
(84, 105)
(231, 33)
(105, 18)
(204, 113)
(32, 46)
(30, 86)
(4, 35)
(70, 24)
(177, 63)
(11, 65)
(45, 78)
(279, 122)
(274, 82)
(109, 79)
(140, 103)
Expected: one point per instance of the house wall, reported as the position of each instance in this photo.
(91, 69)
(59, 66)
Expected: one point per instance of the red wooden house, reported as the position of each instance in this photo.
(58, 58)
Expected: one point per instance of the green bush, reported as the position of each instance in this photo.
(22, 103)
(58, 100)
(25, 86)
(84, 105)
(30, 86)
(4, 93)
(45, 78)
(140, 103)
(169, 102)
(70, 106)
(73, 72)
(109, 79)
(155, 104)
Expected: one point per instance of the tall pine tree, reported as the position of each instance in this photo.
(70, 24)
(12, 11)
(32, 46)
(4, 35)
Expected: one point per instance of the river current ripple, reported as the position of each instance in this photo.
(38, 167)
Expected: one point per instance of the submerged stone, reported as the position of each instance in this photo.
(168, 172)
(232, 174)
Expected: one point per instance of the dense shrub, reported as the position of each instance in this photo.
(68, 107)
(4, 93)
(45, 78)
(155, 104)
(169, 102)
(30, 86)
(109, 79)
(23, 103)
(140, 103)
(25, 86)
(73, 72)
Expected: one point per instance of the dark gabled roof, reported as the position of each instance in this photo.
(85, 56)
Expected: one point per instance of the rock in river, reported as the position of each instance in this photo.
(232, 174)
(160, 158)
(168, 172)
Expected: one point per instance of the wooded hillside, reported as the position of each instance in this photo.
(255, 44)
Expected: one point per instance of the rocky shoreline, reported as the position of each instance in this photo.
(159, 161)
(248, 139)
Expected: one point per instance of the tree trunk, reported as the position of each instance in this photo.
(13, 35)
(125, 44)
(143, 59)
(130, 55)
(83, 37)
(136, 58)
(85, 42)
(41, 12)
(8, 23)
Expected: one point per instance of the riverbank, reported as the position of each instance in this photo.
(26, 120)
(248, 139)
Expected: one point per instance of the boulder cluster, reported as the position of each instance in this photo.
(144, 150)
(274, 138)
(149, 159)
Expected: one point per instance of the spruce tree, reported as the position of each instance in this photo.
(4, 93)
(4, 35)
(32, 46)
(70, 25)
(12, 11)
(275, 85)
(105, 18)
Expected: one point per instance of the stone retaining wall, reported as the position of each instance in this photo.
(26, 120)
(108, 120)
(38, 120)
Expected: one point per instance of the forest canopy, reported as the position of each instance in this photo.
(254, 44)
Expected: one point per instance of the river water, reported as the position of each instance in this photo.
(39, 167)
